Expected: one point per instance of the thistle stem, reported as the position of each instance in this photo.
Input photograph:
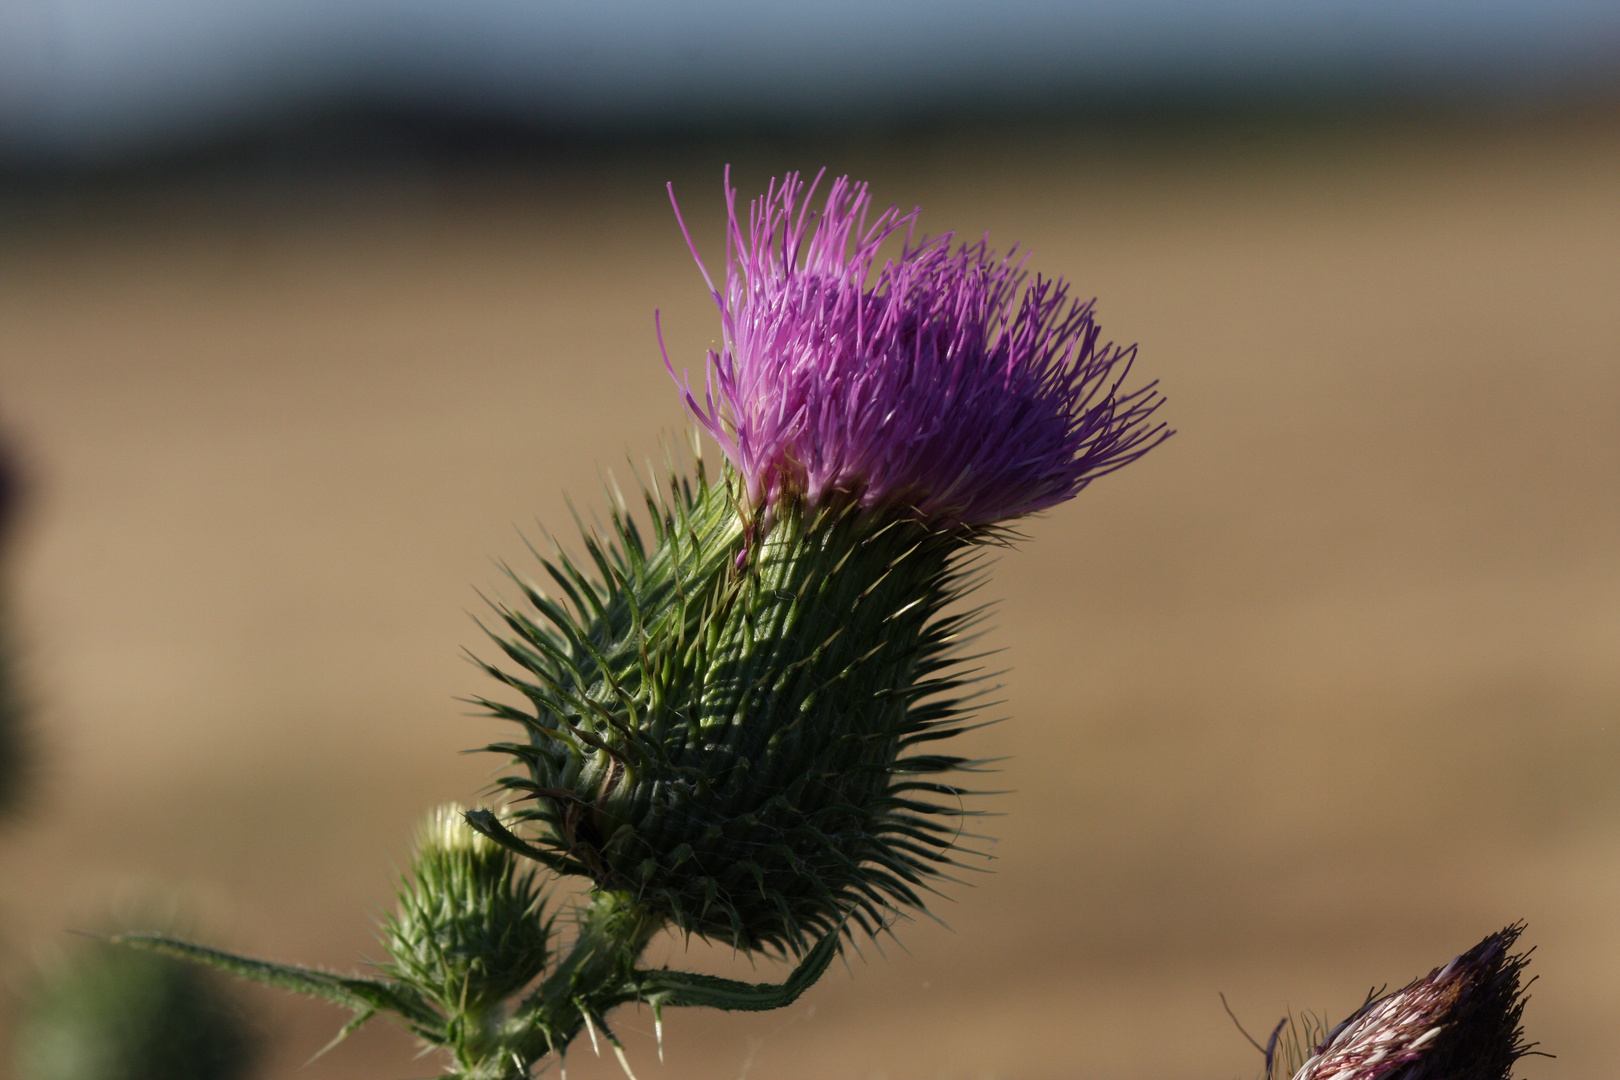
(597, 974)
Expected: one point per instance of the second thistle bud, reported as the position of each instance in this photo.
(469, 930)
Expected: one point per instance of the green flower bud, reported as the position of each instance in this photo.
(726, 727)
(470, 929)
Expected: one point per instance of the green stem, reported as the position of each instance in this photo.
(598, 974)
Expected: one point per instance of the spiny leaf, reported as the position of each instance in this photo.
(359, 994)
(686, 988)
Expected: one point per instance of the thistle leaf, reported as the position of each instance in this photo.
(664, 987)
(351, 992)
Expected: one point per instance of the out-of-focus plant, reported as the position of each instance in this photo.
(14, 741)
(731, 717)
(105, 1013)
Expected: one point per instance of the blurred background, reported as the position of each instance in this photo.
(310, 312)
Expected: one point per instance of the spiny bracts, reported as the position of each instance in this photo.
(733, 729)
(470, 929)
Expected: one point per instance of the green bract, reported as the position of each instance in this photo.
(728, 724)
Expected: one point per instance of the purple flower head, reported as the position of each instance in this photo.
(1460, 1022)
(944, 383)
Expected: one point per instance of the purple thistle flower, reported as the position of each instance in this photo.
(949, 386)
(1460, 1022)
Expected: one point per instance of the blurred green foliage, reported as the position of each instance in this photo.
(107, 1013)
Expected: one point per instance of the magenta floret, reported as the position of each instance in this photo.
(946, 384)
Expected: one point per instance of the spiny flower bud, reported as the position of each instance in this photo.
(469, 929)
(1460, 1022)
(738, 750)
(731, 726)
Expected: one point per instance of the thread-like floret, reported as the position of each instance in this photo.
(945, 383)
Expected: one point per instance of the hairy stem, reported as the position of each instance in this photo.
(598, 974)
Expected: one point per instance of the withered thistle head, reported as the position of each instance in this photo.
(1459, 1022)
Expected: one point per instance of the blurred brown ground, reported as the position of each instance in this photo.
(1309, 700)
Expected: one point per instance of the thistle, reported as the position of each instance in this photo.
(1460, 1022)
(731, 716)
(470, 929)
(735, 725)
